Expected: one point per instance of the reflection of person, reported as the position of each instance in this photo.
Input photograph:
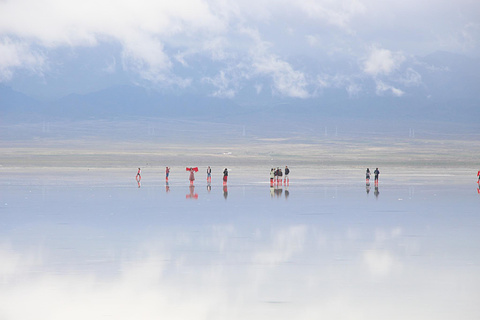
(167, 172)
(287, 179)
(225, 176)
(167, 187)
(192, 194)
(225, 192)
(209, 174)
(376, 192)
(278, 191)
(367, 175)
(376, 172)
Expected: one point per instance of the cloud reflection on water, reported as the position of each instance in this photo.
(148, 254)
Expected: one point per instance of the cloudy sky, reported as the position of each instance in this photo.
(298, 47)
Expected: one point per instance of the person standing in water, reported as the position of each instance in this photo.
(376, 172)
(478, 175)
(225, 176)
(367, 176)
(209, 174)
(287, 179)
(167, 173)
(139, 176)
(192, 174)
(272, 176)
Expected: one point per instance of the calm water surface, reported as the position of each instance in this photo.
(315, 249)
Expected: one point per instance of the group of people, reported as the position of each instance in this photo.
(376, 173)
(192, 171)
(276, 176)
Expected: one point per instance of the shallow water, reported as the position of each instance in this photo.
(89, 247)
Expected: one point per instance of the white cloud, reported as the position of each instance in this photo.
(157, 36)
(350, 83)
(141, 27)
(225, 87)
(15, 55)
(382, 87)
(382, 62)
(286, 80)
(411, 78)
(337, 13)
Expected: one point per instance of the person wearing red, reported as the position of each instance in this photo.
(139, 176)
(225, 176)
(192, 174)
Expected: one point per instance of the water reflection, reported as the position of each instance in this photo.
(376, 192)
(276, 191)
(280, 272)
(167, 187)
(192, 194)
(98, 258)
(225, 191)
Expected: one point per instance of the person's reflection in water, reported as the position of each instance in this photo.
(167, 187)
(367, 188)
(272, 191)
(209, 187)
(287, 193)
(192, 194)
(225, 192)
(376, 193)
(139, 184)
(278, 191)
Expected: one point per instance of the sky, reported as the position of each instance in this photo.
(297, 47)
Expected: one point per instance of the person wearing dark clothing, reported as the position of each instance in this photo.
(225, 175)
(287, 179)
(209, 174)
(376, 172)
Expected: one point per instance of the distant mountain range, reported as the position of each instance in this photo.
(446, 89)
